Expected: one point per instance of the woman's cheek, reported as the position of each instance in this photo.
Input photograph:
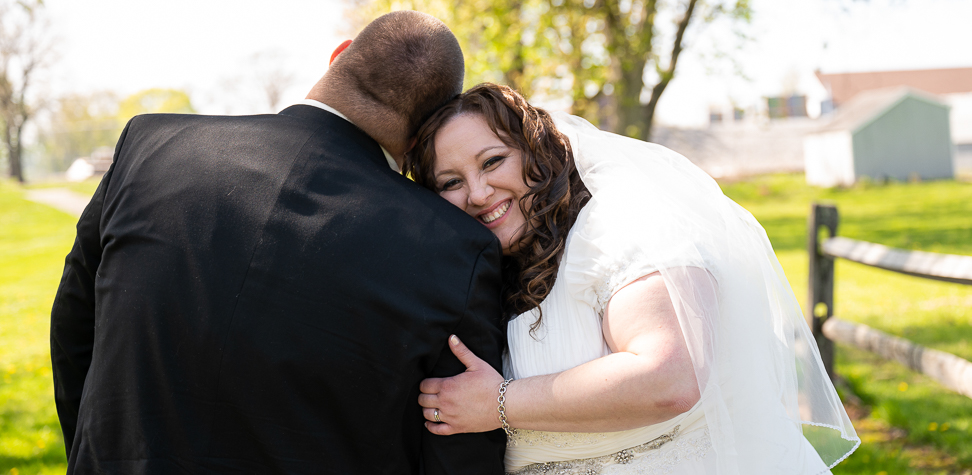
(455, 197)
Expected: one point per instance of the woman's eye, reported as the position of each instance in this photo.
(492, 161)
(449, 185)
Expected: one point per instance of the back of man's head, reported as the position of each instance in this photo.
(404, 63)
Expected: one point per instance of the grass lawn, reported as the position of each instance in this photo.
(33, 242)
(908, 424)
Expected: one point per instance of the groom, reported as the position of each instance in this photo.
(264, 294)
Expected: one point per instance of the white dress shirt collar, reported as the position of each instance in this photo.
(321, 105)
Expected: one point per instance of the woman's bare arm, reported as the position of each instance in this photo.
(648, 379)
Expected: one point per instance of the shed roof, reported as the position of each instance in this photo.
(869, 105)
(844, 86)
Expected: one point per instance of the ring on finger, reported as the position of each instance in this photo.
(435, 415)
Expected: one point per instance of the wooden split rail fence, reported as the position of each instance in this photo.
(949, 370)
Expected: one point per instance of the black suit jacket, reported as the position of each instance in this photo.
(263, 294)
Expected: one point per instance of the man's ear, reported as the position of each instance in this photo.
(339, 49)
(411, 144)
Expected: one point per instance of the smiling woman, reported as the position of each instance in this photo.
(500, 160)
(482, 176)
(665, 338)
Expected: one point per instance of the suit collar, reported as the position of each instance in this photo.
(338, 125)
(320, 105)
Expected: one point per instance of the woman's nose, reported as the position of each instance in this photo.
(480, 192)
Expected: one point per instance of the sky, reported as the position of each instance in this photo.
(216, 49)
(793, 38)
(205, 47)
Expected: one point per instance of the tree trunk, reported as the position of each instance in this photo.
(16, 166)
(13, 153)
(514, 74)
(666, 76)
(629, 55)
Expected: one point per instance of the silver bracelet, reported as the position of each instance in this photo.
(510, 432)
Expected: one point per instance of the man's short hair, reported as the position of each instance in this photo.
(407, 61)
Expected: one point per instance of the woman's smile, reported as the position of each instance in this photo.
(491, 218)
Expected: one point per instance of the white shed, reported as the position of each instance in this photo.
(897, 133)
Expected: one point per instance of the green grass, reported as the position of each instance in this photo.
(933, 216)
(34, 240)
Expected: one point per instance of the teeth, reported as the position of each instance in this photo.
(489, 218)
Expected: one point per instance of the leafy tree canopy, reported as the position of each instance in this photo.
(610, 60)
(155, 100)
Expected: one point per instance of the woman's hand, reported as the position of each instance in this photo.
(466, 402)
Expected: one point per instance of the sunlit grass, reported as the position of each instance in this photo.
(33, 242)
(933, 216)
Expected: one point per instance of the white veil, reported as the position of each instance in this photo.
(765, 392)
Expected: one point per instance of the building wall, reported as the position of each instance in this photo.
(911, 138)
(737, 149)
(828, 159)
(961, 116)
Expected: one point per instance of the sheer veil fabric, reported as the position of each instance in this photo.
(765, 393)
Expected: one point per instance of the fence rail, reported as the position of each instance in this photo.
(947, 267)
(949, 370)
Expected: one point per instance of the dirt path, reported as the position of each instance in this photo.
(59, 198)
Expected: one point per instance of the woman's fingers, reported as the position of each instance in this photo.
(440, 429)
(470, 360)
(428, 400)
(431, 385)
(429, 414)
(466, 401)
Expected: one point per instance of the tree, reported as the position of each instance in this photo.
(502, 40)
(24, 52)
(597, 54)
(77, 124)
(271, 77)
(155, 100)
(260, 87)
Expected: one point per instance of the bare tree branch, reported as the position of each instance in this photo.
(24, 52)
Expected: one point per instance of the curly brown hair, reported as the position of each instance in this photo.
(557, 192)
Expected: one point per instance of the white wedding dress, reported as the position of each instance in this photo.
(762, 382)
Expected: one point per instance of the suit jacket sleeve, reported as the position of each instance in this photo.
(73, 314)
(480, 329)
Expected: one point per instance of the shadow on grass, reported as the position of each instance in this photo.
(925, 413)
(46, 461)
(869, 460)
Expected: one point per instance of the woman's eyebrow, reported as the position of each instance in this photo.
(480, 154)
(486, 149)
(443, 172)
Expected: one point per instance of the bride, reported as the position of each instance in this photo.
(651, 328)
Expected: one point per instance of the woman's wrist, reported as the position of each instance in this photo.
(501, 408)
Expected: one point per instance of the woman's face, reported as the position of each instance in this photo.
(481, 175)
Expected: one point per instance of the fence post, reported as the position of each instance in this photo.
(820, 301)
